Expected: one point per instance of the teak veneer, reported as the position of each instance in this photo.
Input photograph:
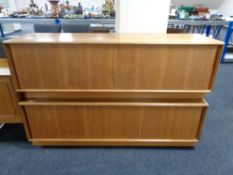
(9, 110)
(112, 89)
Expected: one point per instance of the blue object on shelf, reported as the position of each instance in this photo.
(57, 21)
(1, 31)
(208, 30)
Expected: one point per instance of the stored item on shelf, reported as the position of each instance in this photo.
(54, 8)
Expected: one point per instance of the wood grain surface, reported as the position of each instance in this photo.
(110, 67)
(114, 121)
(113, 90)
(113, 38)
(9, 110)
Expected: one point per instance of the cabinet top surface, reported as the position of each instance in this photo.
(150, 39)
(4, 68)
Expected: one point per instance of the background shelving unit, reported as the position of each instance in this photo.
(227, 55)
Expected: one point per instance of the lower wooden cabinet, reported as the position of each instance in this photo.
(9, 110)
(117, 124)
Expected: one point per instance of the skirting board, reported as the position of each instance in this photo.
(114, 142)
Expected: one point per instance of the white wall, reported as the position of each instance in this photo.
(227, 8)
(4, 3)
(86, 3)
(213, 4)
(12, 4)
(137, 16)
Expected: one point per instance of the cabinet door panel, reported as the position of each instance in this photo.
(115, 67)
(165, 67)
(115, 121)
(64, 66)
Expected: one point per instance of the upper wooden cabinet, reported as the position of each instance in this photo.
(114, 62)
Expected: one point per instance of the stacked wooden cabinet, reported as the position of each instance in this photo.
(114, 90)
(9, 110)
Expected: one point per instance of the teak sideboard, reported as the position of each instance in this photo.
(9, 109)
(113, 89)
